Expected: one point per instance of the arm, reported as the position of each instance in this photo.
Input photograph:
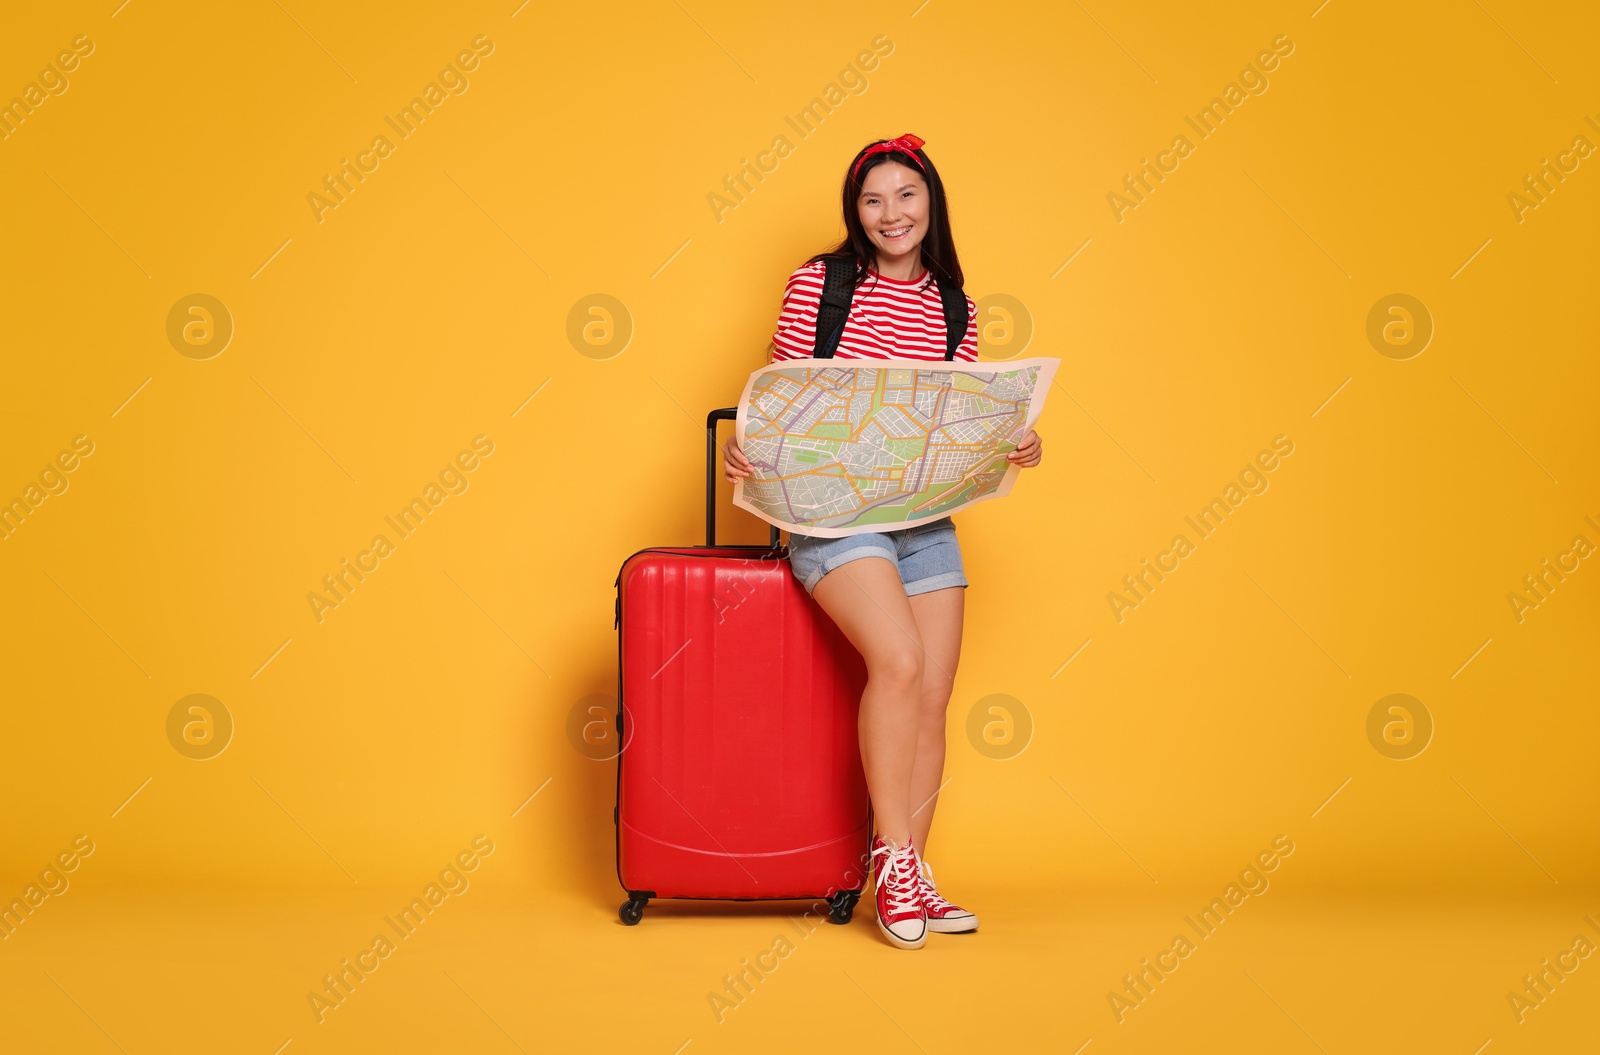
(796, 323)
(968, 350)
(1030, 449)
(734, 464)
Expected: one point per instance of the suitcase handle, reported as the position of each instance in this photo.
(723, 414)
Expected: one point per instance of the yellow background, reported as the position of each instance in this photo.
(427, 308)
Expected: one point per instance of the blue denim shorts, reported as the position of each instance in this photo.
(927, 555)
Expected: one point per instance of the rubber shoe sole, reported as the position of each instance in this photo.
(904, 943)
(957, 925)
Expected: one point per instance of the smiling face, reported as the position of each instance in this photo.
(894, 211)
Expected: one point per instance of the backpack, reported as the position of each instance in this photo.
(838, 288)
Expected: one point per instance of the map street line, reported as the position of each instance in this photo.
(841, 448)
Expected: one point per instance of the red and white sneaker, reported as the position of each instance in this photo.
(942, 916)
(901, 916)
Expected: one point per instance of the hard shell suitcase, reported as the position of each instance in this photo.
(740, 775)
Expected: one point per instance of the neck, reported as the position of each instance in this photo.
(907, 269)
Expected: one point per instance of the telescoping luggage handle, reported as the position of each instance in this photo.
(724, 414)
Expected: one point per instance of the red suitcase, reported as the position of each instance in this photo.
(740, 773)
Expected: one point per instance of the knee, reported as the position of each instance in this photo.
(900, 668)
(935, 700)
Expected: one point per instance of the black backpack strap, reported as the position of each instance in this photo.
(955, 318)
(838, 289)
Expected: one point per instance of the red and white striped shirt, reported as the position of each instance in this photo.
(889, 318)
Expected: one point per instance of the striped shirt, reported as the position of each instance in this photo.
(889, 318)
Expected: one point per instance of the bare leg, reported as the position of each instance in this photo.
(868, 601)
(939, 615)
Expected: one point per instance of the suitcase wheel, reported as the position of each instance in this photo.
(842, 905)
(632, 910)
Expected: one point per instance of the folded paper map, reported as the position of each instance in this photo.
(838, 448)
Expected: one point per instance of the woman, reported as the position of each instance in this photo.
(897, 595)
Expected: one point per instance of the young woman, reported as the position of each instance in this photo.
(898, 596)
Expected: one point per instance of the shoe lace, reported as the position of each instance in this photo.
(930, 893)
(898, 868)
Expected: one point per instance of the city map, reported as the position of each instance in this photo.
(837, 448)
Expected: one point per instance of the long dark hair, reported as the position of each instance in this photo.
(938, 248)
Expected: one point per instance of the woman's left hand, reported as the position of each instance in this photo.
(1028, 452)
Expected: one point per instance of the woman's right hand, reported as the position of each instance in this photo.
(734, 464)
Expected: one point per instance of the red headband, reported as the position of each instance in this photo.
(904, 144)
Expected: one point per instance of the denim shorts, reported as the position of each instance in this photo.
(928, 556)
